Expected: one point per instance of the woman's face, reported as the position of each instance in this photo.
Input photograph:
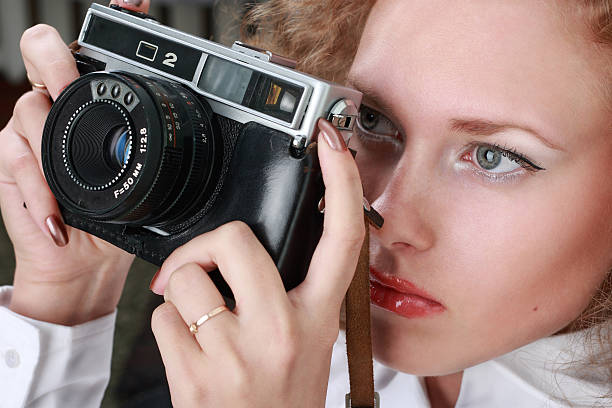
(495, 188)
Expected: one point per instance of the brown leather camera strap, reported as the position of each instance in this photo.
(358, 338)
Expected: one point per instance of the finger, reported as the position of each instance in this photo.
(17, 162)
(178, 349)
(242, 260)
(47, 59)
(335, 258)
(29, 118)
(136, 5)
(15, 216)
(194, 294)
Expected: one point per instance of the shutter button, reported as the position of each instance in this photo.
(11, 358)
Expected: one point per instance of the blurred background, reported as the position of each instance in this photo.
(138, 378)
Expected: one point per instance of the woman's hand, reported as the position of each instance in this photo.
(63, 275)
(274, 349)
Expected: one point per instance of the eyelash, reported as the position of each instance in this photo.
(372, 139)
(507, 152)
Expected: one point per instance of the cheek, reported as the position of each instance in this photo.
(529, 260)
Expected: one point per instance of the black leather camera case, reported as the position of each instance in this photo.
(273, 191)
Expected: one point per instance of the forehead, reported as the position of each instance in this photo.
(522, 60)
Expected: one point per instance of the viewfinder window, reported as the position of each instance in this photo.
(253, 89)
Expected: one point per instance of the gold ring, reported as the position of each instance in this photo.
(35, 85)
(193, 328)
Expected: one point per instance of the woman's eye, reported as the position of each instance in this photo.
(374, 124)
(495, 159)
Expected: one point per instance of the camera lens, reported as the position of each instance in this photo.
(148, 159)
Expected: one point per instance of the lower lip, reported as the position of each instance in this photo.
(410, 306)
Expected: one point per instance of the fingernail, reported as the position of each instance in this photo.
(133, 2)
(332, 136)
(152, 284)
(57, 229)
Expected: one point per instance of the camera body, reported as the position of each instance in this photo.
(166, 136)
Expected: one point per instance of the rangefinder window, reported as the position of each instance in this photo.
(274, 97)
(250, 88)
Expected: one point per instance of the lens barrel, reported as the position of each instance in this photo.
(123, 148)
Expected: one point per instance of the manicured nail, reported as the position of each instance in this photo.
(133, 2)
(332, 136)
(153, 281)
(57, 229)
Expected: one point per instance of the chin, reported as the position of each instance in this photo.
(412, 346)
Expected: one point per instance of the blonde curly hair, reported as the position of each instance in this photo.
(323, 36)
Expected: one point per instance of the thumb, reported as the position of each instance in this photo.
(136, 5)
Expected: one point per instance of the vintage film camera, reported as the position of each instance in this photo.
(166, 136)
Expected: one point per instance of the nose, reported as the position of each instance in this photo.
(405, 204)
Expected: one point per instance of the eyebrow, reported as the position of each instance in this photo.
(483, 127)
(370, 94)
(472, 126)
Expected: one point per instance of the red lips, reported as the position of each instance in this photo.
(401, 296)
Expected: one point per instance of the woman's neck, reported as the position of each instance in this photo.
(443, 391)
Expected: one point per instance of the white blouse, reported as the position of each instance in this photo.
(44, 365)
(47, 365)
(536, 375)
